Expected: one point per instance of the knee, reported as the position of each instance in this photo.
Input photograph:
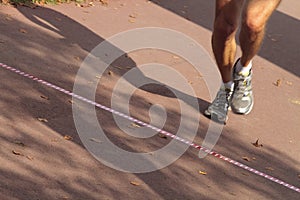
(253, 23)
(225, 26)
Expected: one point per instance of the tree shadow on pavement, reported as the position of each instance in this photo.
(50, 167)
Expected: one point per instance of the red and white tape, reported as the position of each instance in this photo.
(215, 154)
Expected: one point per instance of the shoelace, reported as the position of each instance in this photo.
(243, 85)
(220, 100)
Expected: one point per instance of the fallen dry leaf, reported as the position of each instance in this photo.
(41, 3)
(77, 58)
(118, 67)
(256, 144)
(68, 137)
(134, 15)
(245, 174)
(294, 101)
(95, 140)
(289, 83)
(110, 73)
(202, 172)
(42, 119)
(135, 125)
(269, 168)
(104, 2)
(162, 136)
(44, 97)
(278, 82)
(85, 4)
(22, 30)
(29, 157)
(135, 183)
(18, 153)
(246, 158)
(131, 20)
(91, 4)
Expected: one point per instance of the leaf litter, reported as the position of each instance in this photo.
(22, 30)
(42, 119)
(135, 183)
(70, 101)
(95, 140)
(44, 97)
(29, 157)
(246, 158)
(132, 17)
(256, 144)
(162, 136)
(295, 101)
(110, 73)
(18, 153)
(269, 168)
(135, 125)
(278, 82)
(68, 137)
(289, 83)
(202, 172)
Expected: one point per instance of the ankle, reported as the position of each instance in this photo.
(229, 85)
(241, 69)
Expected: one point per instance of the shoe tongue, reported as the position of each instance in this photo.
(244, 74)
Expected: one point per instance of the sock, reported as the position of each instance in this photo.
(229, 85)
(244, 70)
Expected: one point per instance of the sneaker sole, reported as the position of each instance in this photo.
(214, 118)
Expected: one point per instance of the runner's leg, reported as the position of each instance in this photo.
(255, 15)
(227, 16)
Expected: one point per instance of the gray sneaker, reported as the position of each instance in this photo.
(242, 99)
(218, 110)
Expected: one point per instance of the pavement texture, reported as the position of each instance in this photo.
(42, 156)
